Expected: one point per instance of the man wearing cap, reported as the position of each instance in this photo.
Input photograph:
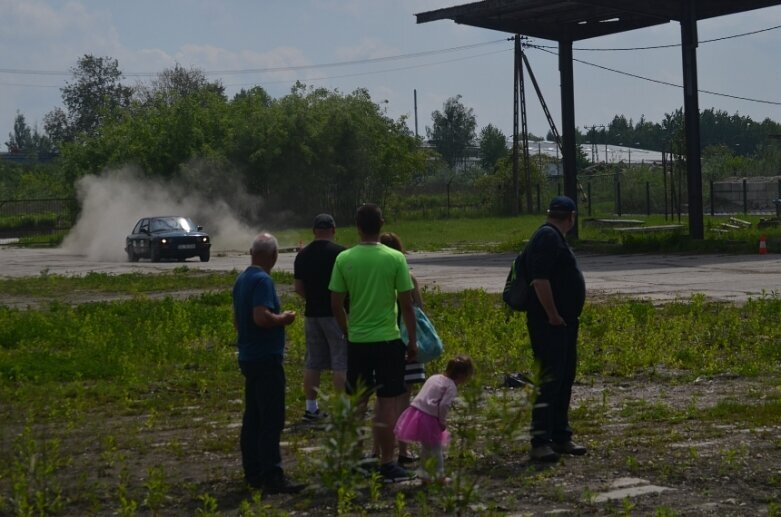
(326, 347)
(552, 319)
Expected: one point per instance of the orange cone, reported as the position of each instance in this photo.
(762, 245)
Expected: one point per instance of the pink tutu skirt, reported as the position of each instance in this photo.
(414, 425)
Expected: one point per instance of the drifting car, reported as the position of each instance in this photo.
(173, 237)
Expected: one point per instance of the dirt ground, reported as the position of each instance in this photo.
(655, 464)
(649, 454)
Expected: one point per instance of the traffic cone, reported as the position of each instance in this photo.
(762, 245)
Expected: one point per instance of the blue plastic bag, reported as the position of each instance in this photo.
(429, 343)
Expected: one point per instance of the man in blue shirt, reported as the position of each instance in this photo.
(260, 325)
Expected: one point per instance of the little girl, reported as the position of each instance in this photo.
(425, 421)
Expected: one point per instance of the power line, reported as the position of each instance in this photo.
(636, 76)
(672, 45)
(423, 65)
(413, 55)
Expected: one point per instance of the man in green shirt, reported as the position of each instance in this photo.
(376, 277)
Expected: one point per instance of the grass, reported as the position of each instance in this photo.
(510, 234)
(132, 405)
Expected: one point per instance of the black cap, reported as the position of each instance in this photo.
(561, 204)
(324, 221)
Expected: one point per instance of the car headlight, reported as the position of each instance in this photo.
(163, 241)
(205, 239)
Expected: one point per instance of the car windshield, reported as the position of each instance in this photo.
(167, 224)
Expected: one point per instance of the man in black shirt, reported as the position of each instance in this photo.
(552, 319)
(326, 347)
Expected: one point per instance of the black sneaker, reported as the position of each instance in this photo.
(570, 448)
(281, 485)
(407, 460)
(392, 473)
(314, 416)
(543, 454)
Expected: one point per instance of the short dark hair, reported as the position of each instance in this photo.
(368, 219)
(392, 240)
(461, 366)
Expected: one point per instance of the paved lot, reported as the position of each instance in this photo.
(658, 277)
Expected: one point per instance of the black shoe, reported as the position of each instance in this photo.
(543, 454)
(315, 416)
(407, 460)
(570, 448)
(281, 485)
(392, 473)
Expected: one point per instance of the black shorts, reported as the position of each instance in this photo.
(378, 365)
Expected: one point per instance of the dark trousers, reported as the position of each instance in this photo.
(555, 351)
(264, 418)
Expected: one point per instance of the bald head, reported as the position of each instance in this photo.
(264, 250)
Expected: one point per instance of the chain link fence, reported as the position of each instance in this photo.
(31, 217)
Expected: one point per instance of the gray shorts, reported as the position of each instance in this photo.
(326, 347)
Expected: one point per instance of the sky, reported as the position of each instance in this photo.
(244, 43)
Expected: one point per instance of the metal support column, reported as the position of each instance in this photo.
(516, 71)
(568, 124)
(692, 118)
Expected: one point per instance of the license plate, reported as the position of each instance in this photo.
(186, 246)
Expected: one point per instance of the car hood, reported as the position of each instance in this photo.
(179, 234)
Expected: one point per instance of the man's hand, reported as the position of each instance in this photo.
(287, 317)
(412, 351)
(556, 320)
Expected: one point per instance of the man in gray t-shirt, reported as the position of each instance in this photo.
(326, 348)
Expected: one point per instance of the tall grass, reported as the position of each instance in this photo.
(125, 399)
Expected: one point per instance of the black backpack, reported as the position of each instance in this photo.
(516, 287)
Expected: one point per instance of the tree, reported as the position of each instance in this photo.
(21, 138)
(177, 82)
(95, 94)
(493, 147)
(26, 140)
(453, 130)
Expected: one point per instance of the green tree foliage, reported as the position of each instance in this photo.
(21, 138)
(94, 95)
(452, 130)
(493, 147)
(175, 83)
(313, 147)
(26, 140)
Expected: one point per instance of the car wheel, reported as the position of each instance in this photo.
(205, 256)
(154, 254)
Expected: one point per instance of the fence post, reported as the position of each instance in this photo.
(712, 202)
(778, 200)
(539, 206)
(647, 198)
(745, 197)
(558, 186)
(618, 197)
(590, 199)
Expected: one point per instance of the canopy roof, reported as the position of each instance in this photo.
(572, 20)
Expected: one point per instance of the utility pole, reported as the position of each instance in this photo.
(415, 95)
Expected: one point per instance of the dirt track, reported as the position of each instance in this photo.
(658, 277)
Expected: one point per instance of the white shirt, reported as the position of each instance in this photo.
(435, 397)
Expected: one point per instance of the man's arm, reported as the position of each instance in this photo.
(299, 288)
(337, 307)
(545, 295)
(264, 318)
(408, 315)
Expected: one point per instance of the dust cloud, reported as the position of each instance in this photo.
(112, 203)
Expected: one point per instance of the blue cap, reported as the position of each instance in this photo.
(561, 204)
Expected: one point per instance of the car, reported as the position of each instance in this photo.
(162, 237)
